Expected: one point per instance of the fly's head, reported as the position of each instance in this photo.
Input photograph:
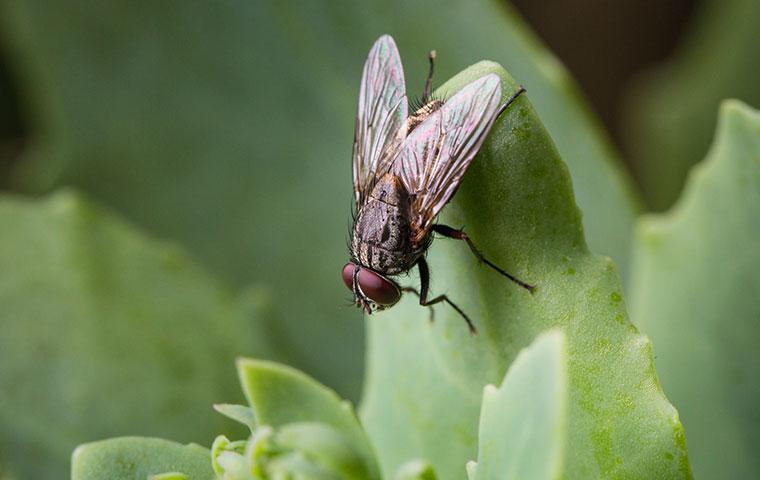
(372, 291)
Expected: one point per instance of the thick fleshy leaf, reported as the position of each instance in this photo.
(327, 446)
(239, 413)
(168, 476)
(281, 396)
(416, 470)
(523, 433)
(424, 381)
(695, 285)
(105, 333)
(138, 458)
(671, 111)
(228, 126)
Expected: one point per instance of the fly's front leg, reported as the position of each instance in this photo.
(450, 232)
(422, 294)
(361, 299)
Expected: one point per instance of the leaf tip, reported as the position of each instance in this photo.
(76, 455)
(737, 107)
(471, 468)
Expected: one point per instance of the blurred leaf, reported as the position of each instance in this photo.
(281, 396)
(424, 381)
(168, 476)
(228, 126)
(671, 110)
(137, 458)
(416, 470)
(331, 448)
(239, 413)
(523, 422)
(471, 467)
(106, 333)
(302, 450)
(694, 291)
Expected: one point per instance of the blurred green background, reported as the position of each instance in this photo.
(226, 128)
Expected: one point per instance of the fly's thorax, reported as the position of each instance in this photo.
(421, 114)
(382, 236)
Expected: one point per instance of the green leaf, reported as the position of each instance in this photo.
(472, 469)
(523, 422)
(694, 291)
(424, 381)
(138, 458)
(304, 450)
(228, 126)
(416, 469)
(280, 396)
(106, 332)
(671, 110)
(168, 476)
(239, 413)
(333, 449)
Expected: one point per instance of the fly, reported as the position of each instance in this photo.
(406, 168)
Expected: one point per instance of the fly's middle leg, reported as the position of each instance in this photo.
(423, 292)
(450, 232)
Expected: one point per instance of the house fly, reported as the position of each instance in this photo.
(405, 170)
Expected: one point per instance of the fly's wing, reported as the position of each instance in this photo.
(436, 154)
(380, 118)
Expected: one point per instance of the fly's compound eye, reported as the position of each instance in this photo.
(376, 287)
(348, 274)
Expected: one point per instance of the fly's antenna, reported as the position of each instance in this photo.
(429, 82)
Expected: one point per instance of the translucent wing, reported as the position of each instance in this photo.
(381, 115)
(436, 154)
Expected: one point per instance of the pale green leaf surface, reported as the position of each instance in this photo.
(695, 285)
(424, 381)
(416, 469)
(228, 126)
(104, 333)
(281, 395)
(671, 110)
(239, 413)
(332, 448)
(138, 458)
(522, 432)
(168, 476)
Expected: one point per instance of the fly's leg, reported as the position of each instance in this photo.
(361, 299)
(438, 299)
(450, 232)
(509, 101)
(429, 82)
(423, 292)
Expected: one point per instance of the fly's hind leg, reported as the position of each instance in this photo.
(423, 292)
(429, 82)
(450, 232)
(520, 91)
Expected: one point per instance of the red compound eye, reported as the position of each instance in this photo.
(348, 275)
(376, 287)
